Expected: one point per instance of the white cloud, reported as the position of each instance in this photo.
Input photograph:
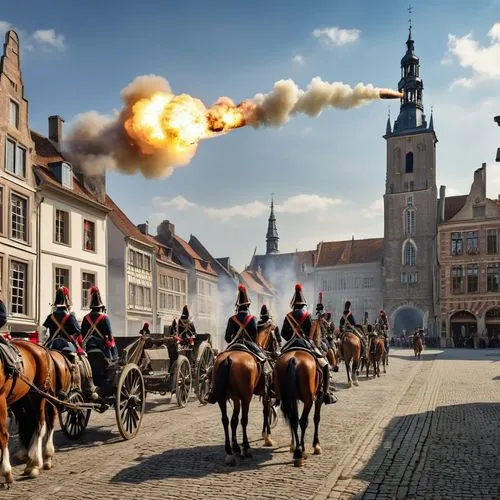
(335, 36)
(47, 39)
(298, 59)
(374, 210)
(299, 204)
(483, 60)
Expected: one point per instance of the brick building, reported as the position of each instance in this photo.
(469, 260)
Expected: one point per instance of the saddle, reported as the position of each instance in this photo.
(10, 356)
(250, 348)
(300, 344)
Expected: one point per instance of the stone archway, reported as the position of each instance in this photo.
(463, 327)
(406, 320)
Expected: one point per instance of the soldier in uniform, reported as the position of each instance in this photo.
(347, 321)
(96, 327)
(265, 320)
(383, 323)
(298, 325)
(65, 336)
(184, 328)
(145, 330)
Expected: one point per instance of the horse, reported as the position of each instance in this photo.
(238, 376)
(376, 353)
(317, 335)
(418, 346)
(296, 377)
(381, 331)
(35, 416)
(350, 347)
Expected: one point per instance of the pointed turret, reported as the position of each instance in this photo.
(272, 233)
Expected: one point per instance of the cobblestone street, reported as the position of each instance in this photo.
(426, 429)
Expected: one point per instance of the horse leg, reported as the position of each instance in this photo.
(355, 365)
(245, 407)
(230, 460)
(266, 432)
(5, 467)
(304, 422)
(367, 367)
(35, 456)
(317, 417)
(348, 370)
(234, 426)
(48, 444)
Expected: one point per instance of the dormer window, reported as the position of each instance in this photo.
(67, 176)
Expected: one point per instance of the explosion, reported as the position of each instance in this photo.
(158, 130)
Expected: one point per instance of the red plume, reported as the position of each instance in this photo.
(298, 287)
(93, 289)
(65, 291)
(242, 288)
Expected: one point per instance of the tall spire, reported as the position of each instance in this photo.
(411, 115)
(272, 233)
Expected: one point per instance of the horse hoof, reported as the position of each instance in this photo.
(236, 449)
(298, 462)
(247, 454)
(305, 456)
(230, 460)
(9, 478)
(47, 464)
(356, 383)
(317, 450)
(349, 384)
(268, 442)
(32, 472)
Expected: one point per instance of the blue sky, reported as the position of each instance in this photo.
(327, 173)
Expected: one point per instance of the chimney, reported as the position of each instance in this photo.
(442, 203)
(144, 228)
(55, 128)
(166, 232)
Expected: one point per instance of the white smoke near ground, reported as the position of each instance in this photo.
(98, 143)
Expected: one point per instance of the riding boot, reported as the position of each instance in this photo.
(88, 387)
(328, 397)
(210, 398)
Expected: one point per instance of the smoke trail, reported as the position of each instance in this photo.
(157, 130)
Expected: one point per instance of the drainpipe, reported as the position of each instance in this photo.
(38, 260)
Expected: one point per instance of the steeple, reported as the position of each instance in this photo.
(388, 130)
(272, 233)
(411, 114)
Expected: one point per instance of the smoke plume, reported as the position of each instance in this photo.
(157, 130)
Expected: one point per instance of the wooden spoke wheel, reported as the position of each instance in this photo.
(74, 422)
(182, 381)
(204, 364)
(130, 401)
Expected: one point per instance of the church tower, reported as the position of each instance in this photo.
(272, 233)
(410, 206)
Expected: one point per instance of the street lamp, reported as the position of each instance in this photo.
(497, 120)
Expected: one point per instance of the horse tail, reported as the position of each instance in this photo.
(289, 396)
(222, 380)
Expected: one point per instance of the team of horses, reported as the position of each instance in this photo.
(31, 393)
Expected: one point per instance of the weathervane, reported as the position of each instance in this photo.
(410, 10)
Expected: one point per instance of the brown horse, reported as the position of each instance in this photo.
(418, 346)
(35, 416)
(296, 377)
(376, 353)
(350, 347)
(238, 376)
(317, 335)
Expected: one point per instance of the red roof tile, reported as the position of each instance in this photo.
(453, 205)
(333, 253)
(199, 263)
(253, 284)
(125, 225)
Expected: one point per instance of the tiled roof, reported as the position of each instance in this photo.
(162, 251)
(333, 253)
(199, 263)
(125, 225)
(46, 153)
(204, 254)
(453, 205)
(255, 282)
(278, 261)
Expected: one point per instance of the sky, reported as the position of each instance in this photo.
(327, 173)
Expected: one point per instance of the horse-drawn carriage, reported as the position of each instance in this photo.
(152, 363)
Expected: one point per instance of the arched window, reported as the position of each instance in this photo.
(409, 163)
(409, 221)
(409, 254)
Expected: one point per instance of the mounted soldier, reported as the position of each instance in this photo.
(348, 323)
(241, 335)
(297, 331)
(65, 336)
(383, 324)
(266, 321)
(96, 327)
(184, 328)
